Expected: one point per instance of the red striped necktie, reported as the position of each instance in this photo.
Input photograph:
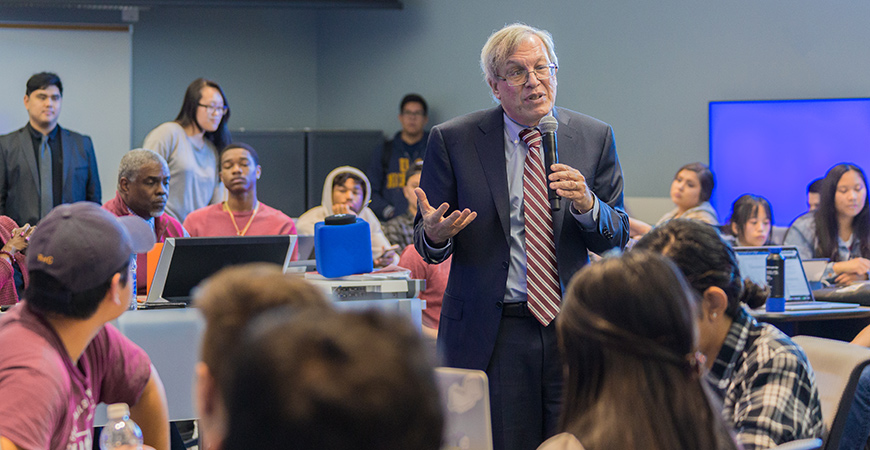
(542, 279)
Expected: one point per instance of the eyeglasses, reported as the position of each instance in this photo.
(211, 109)
(518, 76)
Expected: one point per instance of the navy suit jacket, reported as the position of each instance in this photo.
(465, 167)
(19, 175)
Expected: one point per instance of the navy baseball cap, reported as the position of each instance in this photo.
(82, 245)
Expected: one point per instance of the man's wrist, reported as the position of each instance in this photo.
(435, 245)
(586, 206)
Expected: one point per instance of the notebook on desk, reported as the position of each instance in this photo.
(798, 295)
(185, 262)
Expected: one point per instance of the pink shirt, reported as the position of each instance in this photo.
(214, 221)
(8, 291)
(436, 276)
(47, 401)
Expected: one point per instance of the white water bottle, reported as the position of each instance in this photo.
(121, 432)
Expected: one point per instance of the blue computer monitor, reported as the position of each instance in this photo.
(775, 148)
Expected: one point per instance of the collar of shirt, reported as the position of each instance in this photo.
(734, 346)
(37, 135)
(150, 221)
(848, 249)
(512, 131)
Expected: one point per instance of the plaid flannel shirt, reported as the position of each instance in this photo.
(400, 230)
(766, 385)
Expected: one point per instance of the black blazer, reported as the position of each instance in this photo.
(465, 167)
(19, 176)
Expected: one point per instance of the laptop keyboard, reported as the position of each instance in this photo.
(813, 305)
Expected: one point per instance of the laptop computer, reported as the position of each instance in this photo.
(185, 262)
(305, 242)
(798, 295)
(465, 402)
(815, 269)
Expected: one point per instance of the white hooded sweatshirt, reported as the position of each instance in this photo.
(305, 224)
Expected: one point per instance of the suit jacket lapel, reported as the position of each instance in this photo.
(68, 150)
(25, 143)
(564, 139)
(489, 142)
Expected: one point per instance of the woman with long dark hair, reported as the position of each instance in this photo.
(691, 190)
(765, 382)
(632, 378)
(840, 228)
(190, 145)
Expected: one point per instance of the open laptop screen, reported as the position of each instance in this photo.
(753, 262)
(185, 262)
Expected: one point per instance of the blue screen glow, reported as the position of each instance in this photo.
(776, 148)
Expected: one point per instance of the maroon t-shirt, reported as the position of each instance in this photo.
(46, 400)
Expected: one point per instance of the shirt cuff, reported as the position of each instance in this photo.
(589, 219)
(436, 253)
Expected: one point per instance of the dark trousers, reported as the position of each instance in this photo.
(525, 383)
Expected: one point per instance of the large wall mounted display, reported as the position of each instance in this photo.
(775, 148)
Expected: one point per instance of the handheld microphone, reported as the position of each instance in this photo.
(548, 127)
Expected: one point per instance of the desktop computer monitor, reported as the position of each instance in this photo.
(185, 262)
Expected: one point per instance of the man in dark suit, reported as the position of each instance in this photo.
(42, 164)
(474, 169)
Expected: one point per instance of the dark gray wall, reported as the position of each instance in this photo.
(648, 68)
(264, 59)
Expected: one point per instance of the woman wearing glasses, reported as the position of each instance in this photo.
(190, 146)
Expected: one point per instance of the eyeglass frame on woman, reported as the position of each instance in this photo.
(552, 68)
(211, 109)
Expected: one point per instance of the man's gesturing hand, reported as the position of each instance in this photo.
(439, 228)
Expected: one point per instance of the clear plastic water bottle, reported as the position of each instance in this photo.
(121, 432)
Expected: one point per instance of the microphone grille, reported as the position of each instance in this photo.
(548, 124)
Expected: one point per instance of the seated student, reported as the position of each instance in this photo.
(13, 271)
(436, 276)
(227, 301)
(766, 384)
(840, 228)
(627, 336)
(856, 430)
(400, 229)
(143, 189)
(346, 191)
(814, 192)
(392, 159)
(690, 191)
(242, 214)
(338, 381)
(750, 222)
(66, 358)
